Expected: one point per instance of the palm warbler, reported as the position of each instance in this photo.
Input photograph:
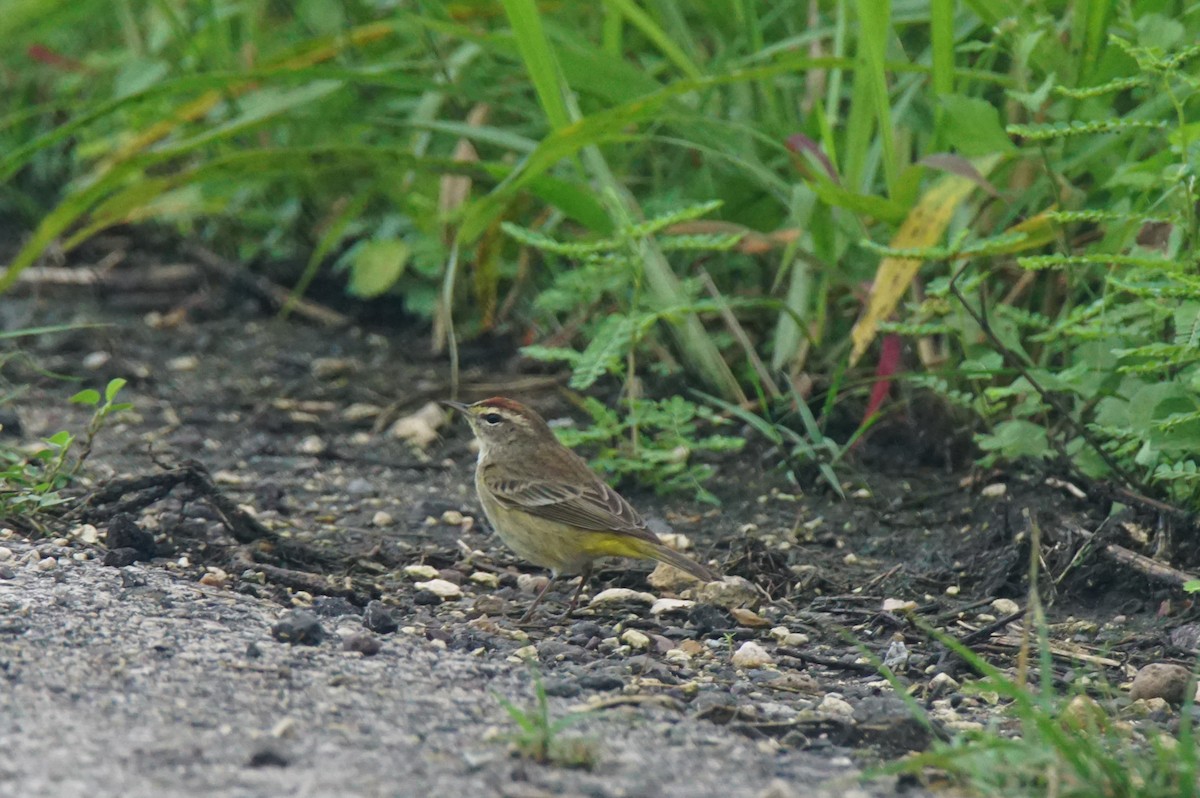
(547, 505)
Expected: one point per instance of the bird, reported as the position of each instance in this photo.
(547, 504)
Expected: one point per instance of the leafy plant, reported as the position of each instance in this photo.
(33, 482)
(540, 739)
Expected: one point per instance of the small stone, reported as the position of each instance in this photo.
(665, 606)
(420, 428)
(836, 706)
(898, 605)
(731, 591)
(751, 655)
(7, 572)
(486, 579)
(677, 656)
(619, 595)
(532, 583)
(47, 564)
(524, 654)
(312, 444)
(794, 640)
(5, 553)
(379, 618)
(298, 627)
(441, 588)
(382, 518)
(1084, 713)
(366, 644)
(953, 590)
(850, 559)
(361, 411)
(941, 684)
(635, 639)
(183, 363)
(86, 533)
(452, 518)
(421, 571)
(994, 491)
(1161, 680)
(334, 607)
(1004, 607)
(561, 688)
(778, 788)
(748, 618)
(119, 558)
(328, 368)
(668, 577)
(124, 533)
(96, 360)
(216, 578)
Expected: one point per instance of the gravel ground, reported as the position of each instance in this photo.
(136, 682)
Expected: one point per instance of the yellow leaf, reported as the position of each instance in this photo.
(923, 227)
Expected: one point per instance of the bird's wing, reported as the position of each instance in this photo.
(595, 506)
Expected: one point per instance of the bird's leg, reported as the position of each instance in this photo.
(536, 601)
(583, 580)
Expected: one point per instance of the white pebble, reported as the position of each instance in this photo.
(452, 518)
(835, 705)
(183, 363)
(898, 605)
(615, 595)
(1005, 607)
(994, 491)
(313, 444)
(48, 564)
(751, 655)
(666, 605)
(485, 579)
(441, 588)
(95, 360)
(795, 639)
(5, 553)
(86, 533)
(635, 639)
(421, 571)
(382, 518)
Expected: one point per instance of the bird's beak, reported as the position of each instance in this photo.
(459, 406)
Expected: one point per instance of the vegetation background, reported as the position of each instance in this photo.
(801, 206)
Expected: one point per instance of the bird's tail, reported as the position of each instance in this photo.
(671, 557)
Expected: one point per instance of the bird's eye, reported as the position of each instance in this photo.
(493, 418)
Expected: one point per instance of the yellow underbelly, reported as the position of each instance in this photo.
(550, 544)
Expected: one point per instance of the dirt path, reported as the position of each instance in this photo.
(165, 678)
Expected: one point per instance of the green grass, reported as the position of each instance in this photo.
(398, 146)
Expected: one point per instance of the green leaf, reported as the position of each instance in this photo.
(113, 388)
(972, 126)
(377, 266)
(603, 353)
(86, 397)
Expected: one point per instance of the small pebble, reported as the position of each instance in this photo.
(635, 639)
(86, 533)
(379, 618)
(898, 605)
(486, 579)
(795, 639)
(441, 588)
(312, 444)
(732, 591)
(1004, 607)
(617, 595)
(382, 518)
(994, 491)
(366, 644)
(5, 553)
(941, 684)
(421, 571)
(835, 705)
(96, 360)
(751, 655)
(328, 368)
(665, 606)
(183, 363)
(298, 627)
(452, 518)
(1161, 680)
(47, 564)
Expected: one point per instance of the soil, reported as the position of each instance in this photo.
(257, 480)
